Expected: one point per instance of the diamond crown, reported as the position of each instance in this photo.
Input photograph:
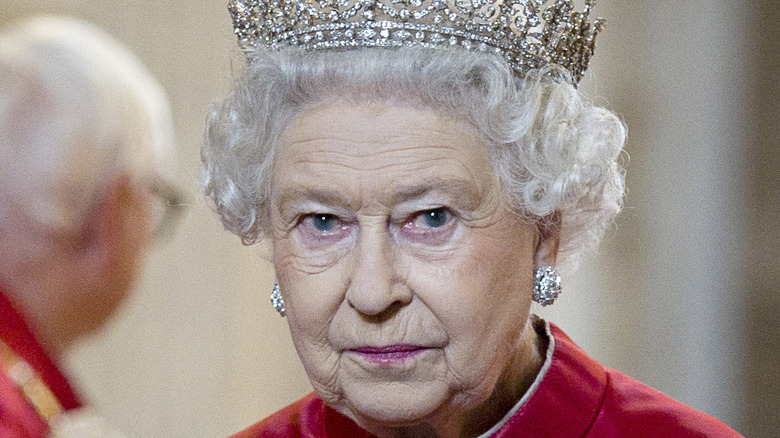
(528, 34)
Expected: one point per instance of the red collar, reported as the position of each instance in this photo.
(565, 403)
(574, 396)
(15, 332)
(568, 398)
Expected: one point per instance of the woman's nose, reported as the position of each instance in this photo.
(374, 286)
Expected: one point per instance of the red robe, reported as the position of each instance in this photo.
(574, 396)
(18, 418)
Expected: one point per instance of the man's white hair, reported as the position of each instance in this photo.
(76, 110)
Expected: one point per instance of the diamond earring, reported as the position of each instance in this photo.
(276, 300)
(547, 285)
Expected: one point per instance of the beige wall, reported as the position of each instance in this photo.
(683, 294)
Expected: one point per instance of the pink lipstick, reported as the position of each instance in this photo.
(388, 355)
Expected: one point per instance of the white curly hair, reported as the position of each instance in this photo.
(553, 152)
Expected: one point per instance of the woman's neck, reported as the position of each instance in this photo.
(511, 386)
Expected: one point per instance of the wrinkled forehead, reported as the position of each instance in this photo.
(400, 151)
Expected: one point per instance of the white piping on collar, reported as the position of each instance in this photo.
(537, 381)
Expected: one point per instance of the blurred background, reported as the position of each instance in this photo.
(683, 295)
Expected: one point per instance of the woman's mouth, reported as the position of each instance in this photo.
(388, 355)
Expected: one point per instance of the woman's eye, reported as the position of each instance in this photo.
(322, 228)
(323, 222)
(435, 218)
(430, 227)
(430, 220)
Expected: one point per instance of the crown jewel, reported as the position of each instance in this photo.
(526, 33)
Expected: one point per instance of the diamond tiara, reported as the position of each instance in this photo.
(524, 32)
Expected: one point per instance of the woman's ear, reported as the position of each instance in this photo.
(549, 237)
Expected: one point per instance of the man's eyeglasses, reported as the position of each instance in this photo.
(167, 208)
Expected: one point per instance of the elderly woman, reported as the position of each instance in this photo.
(86, 143)
(420, 168)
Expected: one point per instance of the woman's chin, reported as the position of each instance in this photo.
(393, 404)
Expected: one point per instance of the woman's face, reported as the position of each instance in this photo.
(406, 280)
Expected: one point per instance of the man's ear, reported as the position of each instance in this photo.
(107, 254)
(549, 238)
(117, 220)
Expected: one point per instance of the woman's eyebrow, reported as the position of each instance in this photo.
(297, 195)
(458, 190)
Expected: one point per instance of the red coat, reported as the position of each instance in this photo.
(18, 418)
(575, 397)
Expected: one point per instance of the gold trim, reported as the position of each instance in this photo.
(29, 383)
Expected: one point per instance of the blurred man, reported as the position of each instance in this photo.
(86, 143)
